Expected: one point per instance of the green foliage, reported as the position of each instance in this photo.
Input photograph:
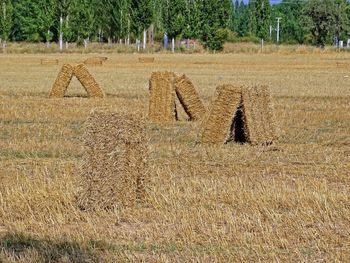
(326, 18)
(6, 19)
(217, 39)
(141, 13)
(215, 18)
(174, 19)
(261, 11)
(207, 20)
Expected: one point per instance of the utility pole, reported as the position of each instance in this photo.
(278, 28)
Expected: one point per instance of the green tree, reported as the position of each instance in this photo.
(141, 14)
(241, 19)
(216, 17)
(292, 24)
(40, 23)
(174, 19)
(6, 20)
(192, 20)
(261, 11)
(62, 17)
(82, 20)
(325, 19)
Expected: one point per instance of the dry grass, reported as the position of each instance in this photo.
(233, 203)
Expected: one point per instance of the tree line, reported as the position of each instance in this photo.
(212, 22)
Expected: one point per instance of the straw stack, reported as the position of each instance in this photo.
(62, 81)
(259, 120)
(114, 170)
(162, 108)
(218, 125)
(88, 82)
(147, 60)
(49, 61)
(189, 98)
(95, 61)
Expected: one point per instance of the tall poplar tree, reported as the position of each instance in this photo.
(141, 14)
(174, 19)
(261, 11)
(6, 20)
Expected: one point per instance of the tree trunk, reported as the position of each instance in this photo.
(61, 34)
(85, 43)
(144, 38)
(138, 45)
(67, 45)
(173, 45)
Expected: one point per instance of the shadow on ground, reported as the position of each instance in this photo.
(20, 245)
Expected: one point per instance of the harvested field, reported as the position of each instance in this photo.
(88, 81)
(288, 202)
(189, 98)
(114, 170)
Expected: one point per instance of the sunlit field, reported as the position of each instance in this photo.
(289, 202)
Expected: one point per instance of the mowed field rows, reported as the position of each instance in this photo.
(289, 202)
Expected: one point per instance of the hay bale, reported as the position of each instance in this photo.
(258, 116)
(95, 61)
(88, 82)
(242, 115)
(218, 125)
(189, 98)
(146, 60)
(62, 81)
(114, 170)
(49, 61)
(162, 107)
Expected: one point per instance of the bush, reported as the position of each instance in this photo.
(216, 39)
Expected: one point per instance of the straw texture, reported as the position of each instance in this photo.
(258, 115)
(189, 98)
(147, 60)
(114, 170)
(162, 107)
(95, 61)
(62, 81)
(217, 126)
(88, 82)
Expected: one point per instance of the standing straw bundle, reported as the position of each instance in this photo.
(88, 82)
(62, 81)
(259, 120)
(114, 170)
(189, 98)
(162, 107)
(218, 124)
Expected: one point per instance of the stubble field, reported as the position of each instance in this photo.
(289, 202)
